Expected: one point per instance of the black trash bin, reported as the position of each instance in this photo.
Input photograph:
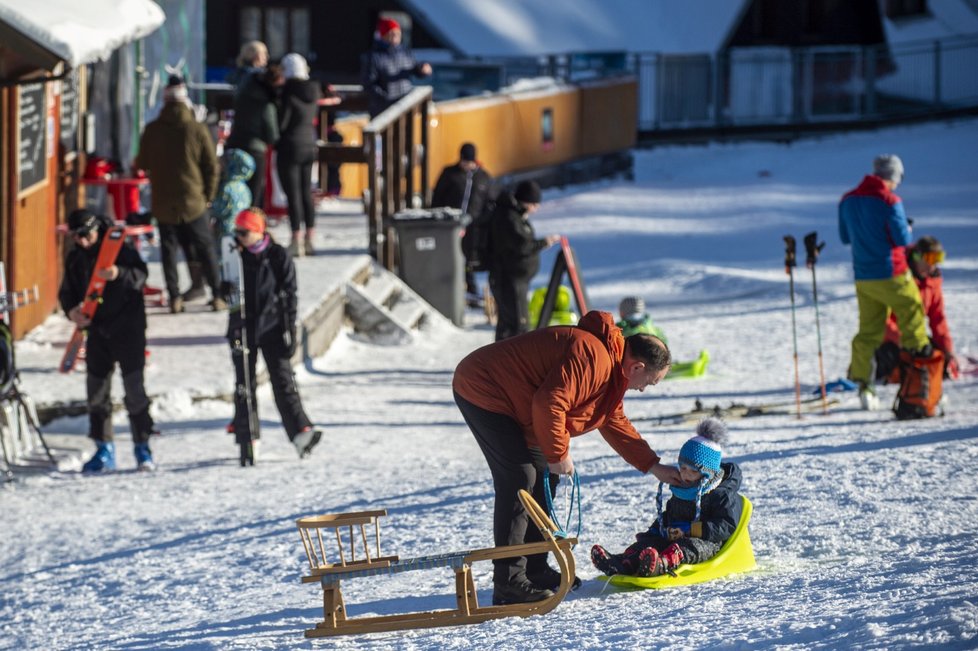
(429, 244)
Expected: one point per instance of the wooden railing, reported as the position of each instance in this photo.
(395, 150)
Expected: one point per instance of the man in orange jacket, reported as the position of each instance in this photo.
(525, 397)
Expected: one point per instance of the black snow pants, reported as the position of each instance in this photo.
(512, 304)
(196, 238)
(514, 465)
(128, 350)
(282, 378)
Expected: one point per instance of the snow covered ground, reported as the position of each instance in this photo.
(865, 529)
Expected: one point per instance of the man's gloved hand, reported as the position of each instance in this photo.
(290, 340)
(953, 369)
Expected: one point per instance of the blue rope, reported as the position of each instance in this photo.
(575, 495)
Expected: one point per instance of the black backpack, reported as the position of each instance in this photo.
(477, 240)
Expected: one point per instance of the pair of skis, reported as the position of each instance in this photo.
(812, 248)
(738, 410)
(231, 265)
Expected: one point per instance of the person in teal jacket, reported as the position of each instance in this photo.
(873, 221)
(233, 195)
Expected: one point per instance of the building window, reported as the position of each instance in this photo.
(906, 8)
(283, 29)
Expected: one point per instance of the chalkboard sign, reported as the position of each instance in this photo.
(31, 136)
(69, 112)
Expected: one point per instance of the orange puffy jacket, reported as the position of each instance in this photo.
(558, 382)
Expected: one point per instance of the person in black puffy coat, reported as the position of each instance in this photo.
(297, 149)
(515, 257)
(270, 326)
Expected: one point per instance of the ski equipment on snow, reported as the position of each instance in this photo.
(813, 248)
(789, 265)
(737, 410)
(111, 244)
(921, 381)
(234, 288)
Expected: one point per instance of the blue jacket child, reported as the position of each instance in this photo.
(233, 195)
(697, 519)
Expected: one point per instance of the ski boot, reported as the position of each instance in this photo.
(248, 452)
(868, 398)
(102, 460)
(144, 457)
(306, 440)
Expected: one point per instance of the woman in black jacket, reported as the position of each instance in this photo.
(270, 302)
(297, 149)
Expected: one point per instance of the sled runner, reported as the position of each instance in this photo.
(359, 558)
(736, 555)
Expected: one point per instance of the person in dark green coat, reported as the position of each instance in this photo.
(178, 154)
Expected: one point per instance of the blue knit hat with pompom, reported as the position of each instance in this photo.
(703, 452)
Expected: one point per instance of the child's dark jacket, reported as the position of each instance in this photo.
(720, 509)
(270, 294)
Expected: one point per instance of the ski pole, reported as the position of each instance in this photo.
(813, 250)
(789, 265)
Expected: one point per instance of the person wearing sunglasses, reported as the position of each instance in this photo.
(116, 335)
(873, 221)
(924, 256)
(271, 306)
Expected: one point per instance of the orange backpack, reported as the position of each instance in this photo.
(920, 385)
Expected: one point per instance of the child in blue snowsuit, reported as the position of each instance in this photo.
(233, 195)
(697, 519)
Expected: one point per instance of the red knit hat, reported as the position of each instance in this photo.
(251, 219)
(386, 25)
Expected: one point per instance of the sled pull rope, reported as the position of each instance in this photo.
(575, 496)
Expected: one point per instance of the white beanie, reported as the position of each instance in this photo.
(294, 66)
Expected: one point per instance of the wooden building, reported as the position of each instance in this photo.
(44, 125)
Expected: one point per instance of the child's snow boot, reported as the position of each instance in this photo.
(103, 459)
(604, 561)
(144, 457)
(648, 563)
(671, 558)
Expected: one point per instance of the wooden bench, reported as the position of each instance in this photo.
(358, 554)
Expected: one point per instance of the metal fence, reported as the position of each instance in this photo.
(760, 86)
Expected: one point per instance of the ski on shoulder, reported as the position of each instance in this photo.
(111, 244)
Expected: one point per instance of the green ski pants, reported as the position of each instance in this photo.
(876, 298)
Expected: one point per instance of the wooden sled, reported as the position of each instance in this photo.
(736, 555)
(357, 559)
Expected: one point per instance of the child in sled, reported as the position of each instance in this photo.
(698, 518)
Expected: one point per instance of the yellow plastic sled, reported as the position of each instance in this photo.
(736, 555)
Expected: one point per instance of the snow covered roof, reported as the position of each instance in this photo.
(945, 19)
(533, 27)
(81, 32)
